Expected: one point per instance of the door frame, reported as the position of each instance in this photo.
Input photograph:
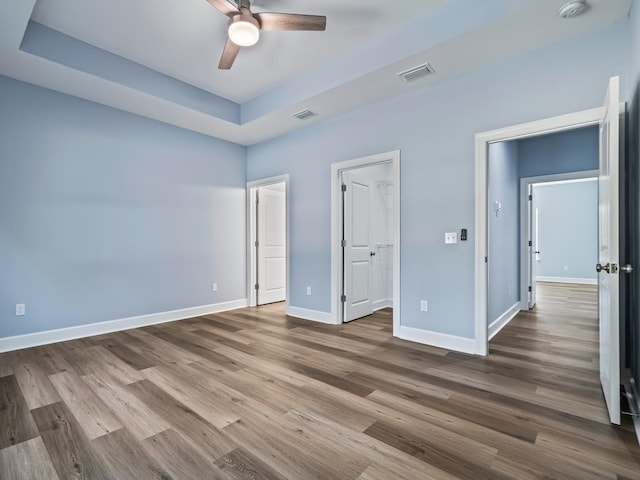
(392, 157)
(582, 175)
(545, 126)
(252, 188)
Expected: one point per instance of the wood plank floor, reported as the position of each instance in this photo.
(253, 394)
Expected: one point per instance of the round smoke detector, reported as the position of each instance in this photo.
(572, 9)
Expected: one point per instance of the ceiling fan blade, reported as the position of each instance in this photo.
(290, 21)
(225, 7)
(229, 55)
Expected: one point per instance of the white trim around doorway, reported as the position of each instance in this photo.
(393, 158)
(252, 187)
(561, 123)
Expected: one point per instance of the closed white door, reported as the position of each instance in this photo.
(608, 259)
(271, 246)
(534, 253)
(357, 191)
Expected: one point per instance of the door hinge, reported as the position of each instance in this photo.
(257, 286)
(530, 243)
(256, 243)
(530, 289)
(344, 187)
(486, 259)
(530, 197)
(343, 243)
(343, 298)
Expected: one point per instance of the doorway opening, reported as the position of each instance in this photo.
(607, 118)
(544, 232)
(268, 241)
(517, 170)
(559, 225)
(366, 237)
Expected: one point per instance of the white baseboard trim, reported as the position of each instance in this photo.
(71, 333)
(314, 315)
(436, 339)
(582, 281)
(380, 304)
(502, 321)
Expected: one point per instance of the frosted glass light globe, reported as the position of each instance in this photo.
(243, 32)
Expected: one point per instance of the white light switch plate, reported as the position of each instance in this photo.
(451, 237)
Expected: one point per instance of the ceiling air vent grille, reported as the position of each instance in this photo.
(416, 72)
(304, 114)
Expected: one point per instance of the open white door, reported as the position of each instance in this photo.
(271, 246)
(357, 250)
(534, 253)
(608, 260)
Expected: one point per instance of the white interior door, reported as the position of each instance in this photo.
(608, 261)
(534, 253)
(357, 246)
(271, 246)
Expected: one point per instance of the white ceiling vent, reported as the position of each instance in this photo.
(304, 114)
(416, 72)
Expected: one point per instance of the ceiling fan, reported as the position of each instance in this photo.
(244, 26)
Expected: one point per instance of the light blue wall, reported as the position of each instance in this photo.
(567, 229)
(504, 229)
(570, 151)
(434, 128)
(106, 215)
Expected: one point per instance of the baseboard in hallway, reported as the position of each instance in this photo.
(503, 320)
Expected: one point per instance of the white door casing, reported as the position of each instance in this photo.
(271, 247)
(608, 251)
(533, 246)
(337, 277)
(357, 250)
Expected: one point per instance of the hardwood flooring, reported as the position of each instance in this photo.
(253, 394)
